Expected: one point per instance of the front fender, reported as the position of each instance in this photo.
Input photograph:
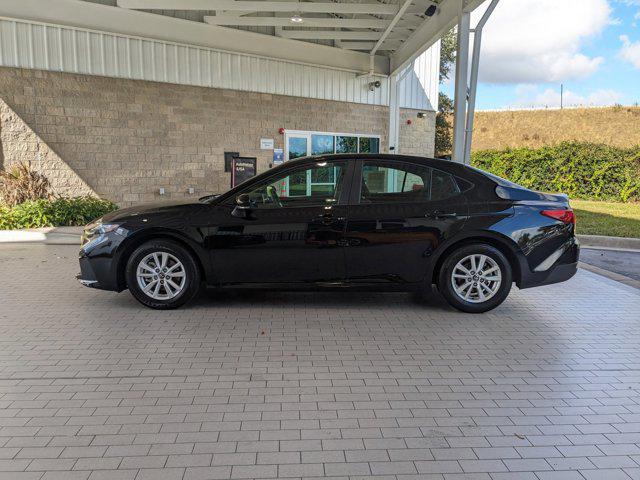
(192, 239)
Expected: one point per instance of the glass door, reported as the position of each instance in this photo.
(319, 181)
(322, 180)
(297, 145)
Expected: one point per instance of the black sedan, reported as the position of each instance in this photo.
(389, 222)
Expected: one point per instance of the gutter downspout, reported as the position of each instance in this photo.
(395, 81)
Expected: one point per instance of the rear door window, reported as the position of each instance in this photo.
(384, 181)
(443, 185)
(394, 182)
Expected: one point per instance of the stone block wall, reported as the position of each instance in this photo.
(124, 139)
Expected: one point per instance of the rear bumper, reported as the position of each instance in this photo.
(562, 270)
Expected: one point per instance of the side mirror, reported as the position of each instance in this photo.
(243, 200)
(243, 206)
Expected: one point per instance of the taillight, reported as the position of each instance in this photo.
(565, 216)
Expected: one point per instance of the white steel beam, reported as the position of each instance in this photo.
(462, 71)
(285, 22)
(394, 20)
(361, 45)
(330, 35)
(105, 18)
(261, 6)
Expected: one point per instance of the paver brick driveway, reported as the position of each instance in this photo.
(266, 385)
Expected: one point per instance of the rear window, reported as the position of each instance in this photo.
(499, 180)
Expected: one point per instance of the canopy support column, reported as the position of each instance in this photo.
(462, 69)
(473, 81)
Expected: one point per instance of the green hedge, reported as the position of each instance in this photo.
(581, 170)
(53, 213)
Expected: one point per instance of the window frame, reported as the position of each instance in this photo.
(310, 133)
(358, 178)
(349, 167)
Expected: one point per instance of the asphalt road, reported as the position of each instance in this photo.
(622, 262)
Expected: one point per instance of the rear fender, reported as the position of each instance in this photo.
(505, 244)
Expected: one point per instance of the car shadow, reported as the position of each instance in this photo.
(317, 299)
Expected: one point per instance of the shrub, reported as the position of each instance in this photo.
(581, 170)
(21, 183)
(53, 213)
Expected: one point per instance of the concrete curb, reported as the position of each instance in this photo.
(610, 275)
(49, 235)
(616, 243)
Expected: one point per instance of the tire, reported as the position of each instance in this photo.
(168, 286)
(494, 287)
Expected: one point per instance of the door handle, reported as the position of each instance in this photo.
(328, 218)
(437, 214)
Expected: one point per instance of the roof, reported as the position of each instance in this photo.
(368, 36)
(428, 161)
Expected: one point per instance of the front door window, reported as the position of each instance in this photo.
(317, 185)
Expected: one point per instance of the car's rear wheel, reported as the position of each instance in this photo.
(475, 278)
(162, 274)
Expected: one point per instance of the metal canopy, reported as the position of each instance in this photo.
(396, 29)
(365, 36)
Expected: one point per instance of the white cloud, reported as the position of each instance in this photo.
(531, 41)
(630, 52)
(530, 96)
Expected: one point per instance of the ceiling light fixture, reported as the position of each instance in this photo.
(296, 18)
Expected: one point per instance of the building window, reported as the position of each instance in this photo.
(301, 143)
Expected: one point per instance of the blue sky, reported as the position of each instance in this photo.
(530, 47)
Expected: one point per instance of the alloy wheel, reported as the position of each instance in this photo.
(476, 278)
(161, 276)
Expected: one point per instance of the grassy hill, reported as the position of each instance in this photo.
(615, 126)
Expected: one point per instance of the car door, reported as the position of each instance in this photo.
(399, 213)
(291, 231)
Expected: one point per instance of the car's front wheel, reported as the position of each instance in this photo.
(475, 278)
(162, 274)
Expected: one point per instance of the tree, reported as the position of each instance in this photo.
(444, 138)
(448, 46)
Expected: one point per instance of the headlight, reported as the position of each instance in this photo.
(98, 228)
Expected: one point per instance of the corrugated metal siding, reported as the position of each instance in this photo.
(419, 89)
(67, 49)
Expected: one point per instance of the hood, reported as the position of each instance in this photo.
(149, 209)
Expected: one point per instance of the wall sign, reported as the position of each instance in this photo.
(278, 156)
(242, 169)
(266, 143)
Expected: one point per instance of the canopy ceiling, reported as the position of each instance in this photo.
(361, 35)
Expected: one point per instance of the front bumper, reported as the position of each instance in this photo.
(85, 282)
(87, 276)
(98, 263)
